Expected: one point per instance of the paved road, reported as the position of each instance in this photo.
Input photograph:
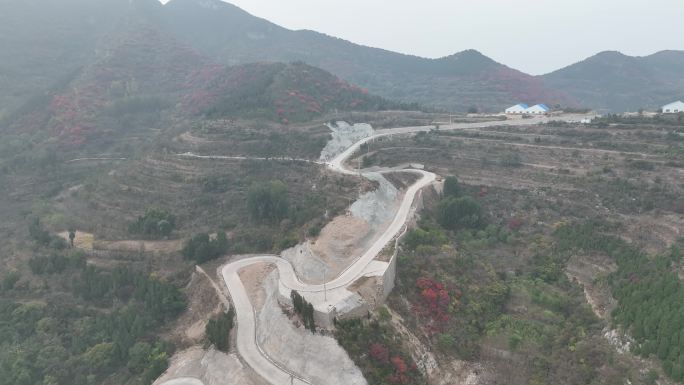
(279, 158)
(271, 371)
(247, 344)
(184, 381)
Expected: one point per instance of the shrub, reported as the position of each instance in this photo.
(218, 330)
(514, 224)
(10, 280)
(201, 248)
(512, 159)
(287, 242)
(38, 233)
(446, 342)
(268, 202)
(430, 236)
(641, 165)
(315, 229)
(154, 223)
(451, 187)
(459, 213)
(379, 352)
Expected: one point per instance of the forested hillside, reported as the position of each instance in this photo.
(93, 326)
(458, 82)
(229, 36)
(279, 92)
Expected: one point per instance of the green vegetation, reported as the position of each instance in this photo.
(510, 159)
(450, 292)
(155, 223)
(43, 237)
(149, 361)
(457, 212)
(268, 202)
(218, 330)
(559, 337)
(378, 350)
(650, 294)
(202, 248)
(159, 299)
(451, 187)
(428, 235)
(460, 213)
(304, 309)
(459, 301)
(56, 263)
(109, 332)
(285, 93)
(453, 297)
(215, 184)
(10, 279)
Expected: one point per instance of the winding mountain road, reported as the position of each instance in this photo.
(335, 289)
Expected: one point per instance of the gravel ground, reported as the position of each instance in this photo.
(196, 366)
(318, 358)
(343, 136)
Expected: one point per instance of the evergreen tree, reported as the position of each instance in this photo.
(451, 187)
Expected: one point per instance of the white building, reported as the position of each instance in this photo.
(517, 109)
(673, 108)
(539, 109)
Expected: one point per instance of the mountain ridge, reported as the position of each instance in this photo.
(75, 33)
(455, 82)
(613, 81)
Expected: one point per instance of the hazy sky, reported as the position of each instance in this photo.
(533, 36)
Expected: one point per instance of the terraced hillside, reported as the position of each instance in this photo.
(519, 282)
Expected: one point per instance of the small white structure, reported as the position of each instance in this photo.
(517, 109)
(539, 109)
(673, 108)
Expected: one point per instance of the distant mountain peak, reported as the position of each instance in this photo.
(613, 81)
(611, 55)
(469, 61)
(471, 54)
(667, 54)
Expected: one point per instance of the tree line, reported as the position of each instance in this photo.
(218, 330)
